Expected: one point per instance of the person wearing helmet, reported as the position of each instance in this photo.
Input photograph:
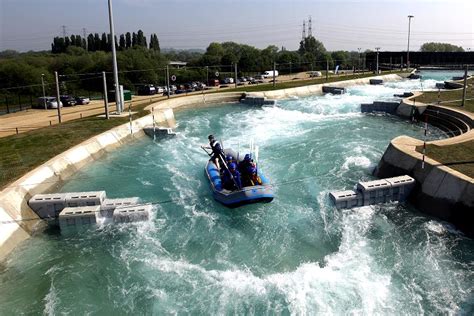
(229, 159)
(232, 179)
(245, 164)
(253, 176)
(217, 152)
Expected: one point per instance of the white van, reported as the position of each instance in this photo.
(269, 74)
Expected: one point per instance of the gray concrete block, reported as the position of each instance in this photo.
(375, 81)
(74, 217)
(137, 213)
(48, 205)
(158, 131)
(346, 199)
(77, 199)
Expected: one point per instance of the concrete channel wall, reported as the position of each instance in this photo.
(441, 191)
(19, 221)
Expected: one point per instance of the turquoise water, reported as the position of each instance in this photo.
(296, 255)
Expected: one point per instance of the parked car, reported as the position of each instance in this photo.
(243, 79)
(51, 103)
(315, 74)
(228, 80)
(159, 89)
(146, 89)
(213, 82)
(67, 100)
(259, 77)
(82, 100)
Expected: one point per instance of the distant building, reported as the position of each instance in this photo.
(178, 64)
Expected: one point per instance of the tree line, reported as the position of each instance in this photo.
(140, 62)
(94, 42)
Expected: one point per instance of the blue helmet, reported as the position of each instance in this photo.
(252, 170)
(229, 158)
(248, 157)
(232, 166)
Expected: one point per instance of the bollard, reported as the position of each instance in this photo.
(16, 130)
(81, 115)
(50, 123)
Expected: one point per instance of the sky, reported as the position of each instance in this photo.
(184, 24)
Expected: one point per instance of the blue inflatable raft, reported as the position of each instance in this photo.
(247, 195)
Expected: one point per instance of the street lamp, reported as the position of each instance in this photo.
(358, 63)
(408, 46)
(114, 60)
(377, 67)
(44, 94)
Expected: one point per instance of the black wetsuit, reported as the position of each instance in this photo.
(217, 152)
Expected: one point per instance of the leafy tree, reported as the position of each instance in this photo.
(141, 40)
(268, 56)
(97, 42)
(440, 47)
(58, 45)
(154, 43)
(67, 42)
(313, 52)
(122, 42)
(213, 55)
(134, 39)
(103, 42)
(343, 58)
(90, 43)
(249, 58)
(128, 40)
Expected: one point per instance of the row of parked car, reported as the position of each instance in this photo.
(150, 89)
(64, 100)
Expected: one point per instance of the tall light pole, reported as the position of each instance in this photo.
(377, 67)
(114, 60)
(44, 94)
(408, 46)
(358, 63)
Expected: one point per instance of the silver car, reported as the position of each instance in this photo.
(50, 102)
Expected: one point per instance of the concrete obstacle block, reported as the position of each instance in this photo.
(380, 106)
(404, 94)
(440, 85)
(77, 199)
(401, 187)
(452, 85)
(75, 217)
(346, 199)
(374, 192)
(334, 90)
(414, 76)
(109, 205)
(48, 205)
(129, 214)
(158, 131)
(375, 81)
(257, 101)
